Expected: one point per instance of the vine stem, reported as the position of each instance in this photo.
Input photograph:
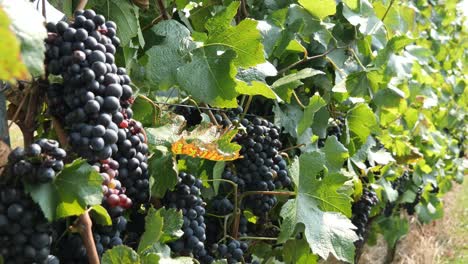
(61, 134)
(23, 100)
(292, 147)
(258, 238)
(388, 9)
(357, 58)
(305, 59)
(153, 22)
(81, 5)
(162, 9)
(84, 226)
(210, 114)
(298, 100)
(246, 107)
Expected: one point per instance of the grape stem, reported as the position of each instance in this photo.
(81, 4)
(62, 136)
(156, 108)
(210, 114)
(257, 238)
(162, 9)
(84, 226)
(305, 59)
(298, 100)
(246, 107)
(292, 147)
(20, 106)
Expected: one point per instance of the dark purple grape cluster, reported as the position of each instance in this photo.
(401, 183)
(361, 211)
(186, 197)
(38, 162)
(25, 234)
(95, 92)
(336, 127)
(233, 251)
(262, 167)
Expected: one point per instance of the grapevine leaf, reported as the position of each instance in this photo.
(100, 215)
(394, 45)
(124, 14)
(244, 38)
(316, 102)
(143, 111)
(285, 85)
(217, 86)
(27, 24)
(217, 174)
(207, 141)
(162, 226)
(75, 188)
(162, 61)
(353, 4)
(393, 228)
(298, 251)
(257, 73)
(335, 153)
(319, 8)
(320, 208)
(120, 254)
(167, 131)
(222, 21)
(11, 67)
(361, 122)
(363, 83)
(365, 18)
(255, 88)
(163, 171)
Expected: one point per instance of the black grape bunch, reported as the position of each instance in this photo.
(186, 197)
(361, 212)
(230, 117)
(233, 251)
(401, 183)
(37, 163)
(25, 234)
(336, 127)
(262, 167)
(89, 100)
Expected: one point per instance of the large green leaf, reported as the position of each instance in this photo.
(321, 208)
(162, 61)
(298, 251)
(362, 122)
(315, 104)
(163, 171)
(243, 38)
(75, 188)
(285, 85)
(27, 24)
(120, 254)
(319, 8)
(161, 226)
(209, 77)
(363, 83)
(11, 67)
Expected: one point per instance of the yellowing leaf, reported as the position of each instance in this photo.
(11, 65)
(319, 8)
(207, 142)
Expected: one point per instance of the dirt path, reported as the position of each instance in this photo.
(440, 242)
